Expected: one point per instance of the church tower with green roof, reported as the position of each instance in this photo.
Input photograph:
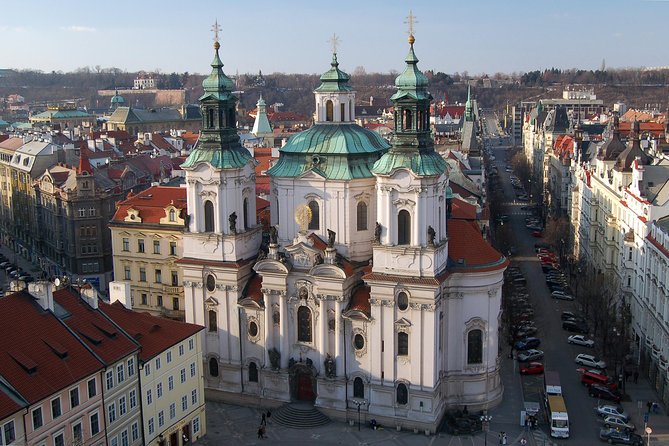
(222, 236)
(411, 183)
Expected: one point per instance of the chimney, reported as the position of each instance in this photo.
(42, 291)
(371, 100)
(90, 294)
(120, 291)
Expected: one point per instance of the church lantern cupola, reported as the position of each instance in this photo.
(335, 99)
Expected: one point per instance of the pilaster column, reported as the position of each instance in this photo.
(269, 326)
(283, 314)
(339, 321)
(324, 332)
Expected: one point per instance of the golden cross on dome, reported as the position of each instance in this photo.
(216, 28)
(411, 21)
(334, 41)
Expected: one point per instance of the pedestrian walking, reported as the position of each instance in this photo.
(636, 376)
(260, 432)
(649, 406)
(269, 414)
(656, 408)
(505, 439)
(263, 420)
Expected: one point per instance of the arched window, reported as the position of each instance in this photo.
(362, 216)
(342, 110)
(210, 118)
(329, 111)
(208, 216)
(173, 215)
(403, 227)
(402, 344)
(245, 212)
(253, 373)
(221, 118)
(358, 388)
(231, 118)
(402, 394)
(304, 324)
(314, 224)
(213, 322)
(407, 120)
(213, 367)
(475, 347)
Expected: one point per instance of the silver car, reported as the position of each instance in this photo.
(617, 423)
(606, 410)
(530, 355)
(590, 361)
(581, 340)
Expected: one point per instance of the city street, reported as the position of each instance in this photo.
(559, 355)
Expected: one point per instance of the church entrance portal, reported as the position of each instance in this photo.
(303, 382)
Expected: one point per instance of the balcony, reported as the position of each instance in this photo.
(173, 289)
(179, 315)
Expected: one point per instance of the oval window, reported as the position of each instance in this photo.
(402, 301)
(253, 329)
(211, 282)
(359, 341)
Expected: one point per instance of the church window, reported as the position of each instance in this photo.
(304, 324)
(213, 367)
(403, 227)
(350, 110)
(208, 216)
(475, 347)
(314, 223)
(173, 215)
(253, 372)
(402, 301)
(402, 344)
(221, 118)
(211, 282)
(210, 118)
(213, 322)
(342, 109)
(358, 388)
(253, 329)
(402, 394)
(359, 341)
(231, 118)
(329, 111)
(362, 216)
(407, 118)
(245, 212)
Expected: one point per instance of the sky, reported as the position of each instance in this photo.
(292, 36)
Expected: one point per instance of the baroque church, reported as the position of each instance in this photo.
(367, 293)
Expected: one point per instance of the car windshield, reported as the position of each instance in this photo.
(560, 423)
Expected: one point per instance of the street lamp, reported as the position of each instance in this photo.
(358, 403)
(485, 420)
(648, 432)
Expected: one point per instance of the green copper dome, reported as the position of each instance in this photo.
(412, 82)
(217, 83)
(334, 79)
(117, 99)
(341, 152)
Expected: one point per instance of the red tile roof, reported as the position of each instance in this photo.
(38, 355)
(462, 210)
(360, 302)
(455, 111)
(84, 163)
(252, 290)
(153, 333)
(654, 128)
(93, 328)
(468, 250)
(8, 405)
(151, 204)
(346, 265)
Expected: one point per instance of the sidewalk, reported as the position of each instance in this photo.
(640, 393)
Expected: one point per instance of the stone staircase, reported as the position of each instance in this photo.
(299, 416)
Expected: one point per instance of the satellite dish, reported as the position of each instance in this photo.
(56, 282)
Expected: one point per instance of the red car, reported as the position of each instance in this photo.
(537, 234)
(532, 368)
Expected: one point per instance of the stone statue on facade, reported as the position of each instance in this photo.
(318, 259)
(330, 367)
(431, 234)
(331, 238)
(274, 358)
(187, 222)
(377, 232)
(233, 222)
(273, 235)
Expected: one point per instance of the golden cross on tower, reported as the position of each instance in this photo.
(334, 41)
(411, 21)
(216, 28)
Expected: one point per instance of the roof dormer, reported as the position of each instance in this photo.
(133, 216)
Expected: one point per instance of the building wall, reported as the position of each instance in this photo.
(174, 374)
(12, 429)
(121, 398)
(71, 416)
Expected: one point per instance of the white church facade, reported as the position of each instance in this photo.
(368, 294)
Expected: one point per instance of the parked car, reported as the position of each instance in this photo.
(537, 234)
(568, 315)
(590, 361)
(532, 368)
(530, 355)
(618, 423)
(613, 436)
(575, 326)
(603, 392)
(594, 376)
(27, 278)
(527, 344)
(581, 340)
(605, 410)
(561, 295)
